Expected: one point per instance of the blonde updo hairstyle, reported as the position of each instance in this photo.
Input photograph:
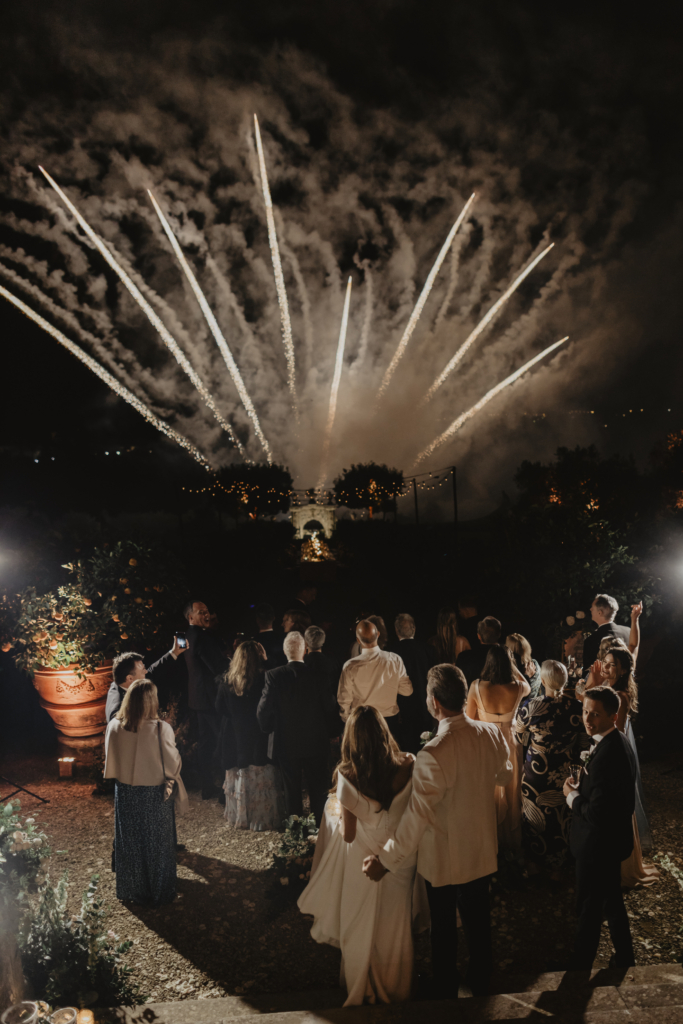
(554, 677)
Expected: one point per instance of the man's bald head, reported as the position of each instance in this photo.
(367, 633)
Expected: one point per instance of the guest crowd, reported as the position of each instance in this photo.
(427, 765)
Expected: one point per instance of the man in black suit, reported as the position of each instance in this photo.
(601, 835)
(267, 637)
(298, 713)
(603, 612)
(205, 659)
(418, 658)
(472, 662)
(324, 667)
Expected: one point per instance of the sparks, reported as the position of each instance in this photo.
(104, 375)
(156, 322)
(279, 277)
(334, 390)
(464, 417)
(482, 325)
(424, 295)
(214, 328)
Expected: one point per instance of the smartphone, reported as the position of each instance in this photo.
(182, 640)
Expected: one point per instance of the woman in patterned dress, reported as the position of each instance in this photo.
(552, 722)
(140, 752)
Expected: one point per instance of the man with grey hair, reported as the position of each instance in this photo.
(603, 612)
(298, 713)
(324, 667)
(451, 821)
(375, 678)
(418, 658)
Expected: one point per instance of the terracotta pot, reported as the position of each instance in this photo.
(76, 705)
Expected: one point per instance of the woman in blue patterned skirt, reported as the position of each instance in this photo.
(140, 753)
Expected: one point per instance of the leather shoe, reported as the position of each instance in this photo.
(614, 963)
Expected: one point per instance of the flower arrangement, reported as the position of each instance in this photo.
(122, 593)
(23, 848)
(293, 856)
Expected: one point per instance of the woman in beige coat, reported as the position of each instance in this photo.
(140, 753)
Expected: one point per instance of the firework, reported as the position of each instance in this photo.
(367, 321)
(464, 417)
(277, 270)
(482, 325)
(214, 328)
(156, 322)
(424, 295)
(104, 375)
(334, 390)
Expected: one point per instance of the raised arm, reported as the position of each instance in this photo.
(634, 637)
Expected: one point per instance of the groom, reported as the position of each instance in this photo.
(451, 822)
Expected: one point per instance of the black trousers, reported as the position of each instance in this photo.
(599, 897)
(208, 725)
(315, 772)
(395, 728)
(472, 900)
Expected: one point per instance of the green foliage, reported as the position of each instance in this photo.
(127, 592)
(64, 956)
(23, 848)
(256, 489)
(293, 857)
(370, 486)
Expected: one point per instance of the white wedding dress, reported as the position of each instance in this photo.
(371, 922)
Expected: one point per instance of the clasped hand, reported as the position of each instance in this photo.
(373, 868)
(570, 786)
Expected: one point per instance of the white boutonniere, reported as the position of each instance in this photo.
(425, 737)
(586, 756)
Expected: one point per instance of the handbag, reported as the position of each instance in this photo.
(169, 787)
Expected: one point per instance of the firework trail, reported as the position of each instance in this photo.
(302, 289)
(482, 325)
(66, 316)
(214, 328)
(424, 295)
(464, 417)
(158, 324)
(450, 292)
(104, 375)
(367, 320)
(279, 277)
(334, 390)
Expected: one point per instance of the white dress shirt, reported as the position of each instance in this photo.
(374, 677)
(571, 797)
(451, 819)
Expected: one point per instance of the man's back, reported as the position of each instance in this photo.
(452, 807)
(324, 668)
(374, 678)
(297, 710)
(591, 644)
(272, 645)
(472, 662)
(205, 660)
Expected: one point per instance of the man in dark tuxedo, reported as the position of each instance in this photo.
(298, 713)
(305, 599)
(603, 612)
(267, 637)
(601, 835)
(418, 658)
(472, 662)
(325, 667)
(205, 660)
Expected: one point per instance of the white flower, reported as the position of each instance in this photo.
(570, 620)
(29, 821)
(581, 615)
(584, 755)
(425, 735)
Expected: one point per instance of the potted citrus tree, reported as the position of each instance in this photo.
(121, 597)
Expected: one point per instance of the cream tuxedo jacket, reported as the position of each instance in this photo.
(451, 817)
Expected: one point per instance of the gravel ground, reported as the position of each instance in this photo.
(220, 936)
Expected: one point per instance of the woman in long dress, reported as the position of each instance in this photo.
(254, 796)
(495, 697)
(616, 670)
(140, 753)
(370, 922)
(552, 721)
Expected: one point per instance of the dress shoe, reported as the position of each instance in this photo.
(180, 847)
(614, 963)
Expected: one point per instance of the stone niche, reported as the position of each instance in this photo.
(310, 519)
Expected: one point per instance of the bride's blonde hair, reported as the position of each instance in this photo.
(369, 756)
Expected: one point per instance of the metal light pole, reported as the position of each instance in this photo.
(417, 514)
(455, 512)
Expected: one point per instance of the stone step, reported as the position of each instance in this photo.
(640, 995)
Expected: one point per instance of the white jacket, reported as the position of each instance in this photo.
(134, 759)
(451, 817)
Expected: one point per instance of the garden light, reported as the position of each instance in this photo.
(66, 770)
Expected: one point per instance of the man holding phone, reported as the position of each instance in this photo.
(130, 666)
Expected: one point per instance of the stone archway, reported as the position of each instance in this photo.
(322, 515)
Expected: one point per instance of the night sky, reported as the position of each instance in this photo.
(379, 119)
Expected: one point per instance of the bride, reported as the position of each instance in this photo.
(371, 923)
